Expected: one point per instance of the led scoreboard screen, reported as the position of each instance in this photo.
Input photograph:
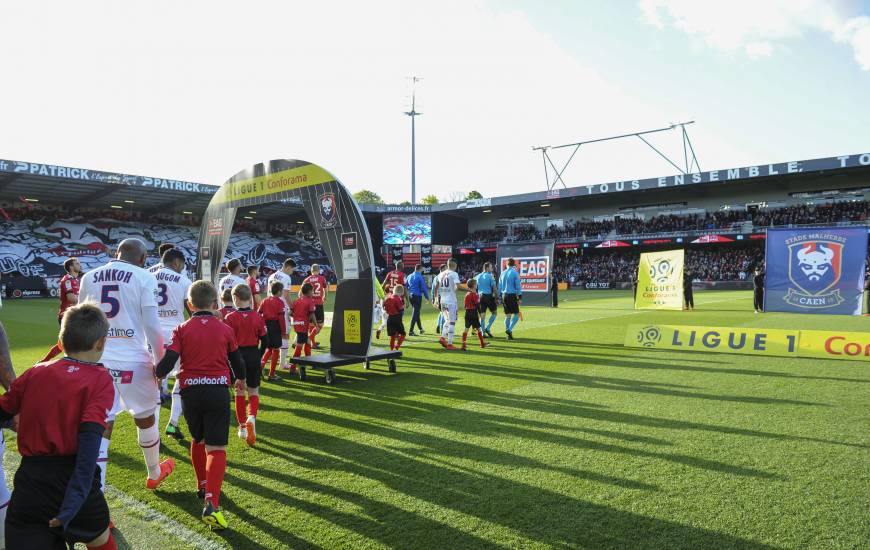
(407, 229)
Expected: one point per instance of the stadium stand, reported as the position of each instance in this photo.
(35, 240)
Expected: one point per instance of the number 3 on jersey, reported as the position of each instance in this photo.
(162, 296)
(106, 297)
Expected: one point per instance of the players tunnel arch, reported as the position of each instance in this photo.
(332, 212)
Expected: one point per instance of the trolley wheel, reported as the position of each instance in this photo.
(302, 374)
(392, 365)
(368, 365)
(330, 376)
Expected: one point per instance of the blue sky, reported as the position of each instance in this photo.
(199, 90)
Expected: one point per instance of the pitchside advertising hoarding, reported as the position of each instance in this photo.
(815, 270)
(534, 263)
(840, 345)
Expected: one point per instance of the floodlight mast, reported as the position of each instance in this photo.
(690, 164)
(413, 113)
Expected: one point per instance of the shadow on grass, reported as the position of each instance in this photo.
(419, 466)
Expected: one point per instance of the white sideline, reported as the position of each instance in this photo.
(167, 525)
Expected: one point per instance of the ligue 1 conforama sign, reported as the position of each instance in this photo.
(334, 215)
(816, 270)
(817, 344)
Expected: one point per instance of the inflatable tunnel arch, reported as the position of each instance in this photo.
(335, 216)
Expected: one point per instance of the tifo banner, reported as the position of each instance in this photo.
(854, 346)
(534, 263)
(660, 280)
(817, 270)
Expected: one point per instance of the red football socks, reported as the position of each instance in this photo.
(253, 405)
(108, 545)
(215, 466)
(266, 357)
(52, 353)
(275, 355)
(241, 408)
(307, 350)
(401, 339)
(479, 337)
(197, 457)
(393, 342)
(464, 338)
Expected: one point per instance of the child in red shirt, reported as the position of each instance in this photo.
(272, 310)
(227, 300)
(472, 317)
(63, 407)
(205, 345)
(394, 306)
(250, 331)
(302, 312)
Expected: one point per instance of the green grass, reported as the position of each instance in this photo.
(562, 438)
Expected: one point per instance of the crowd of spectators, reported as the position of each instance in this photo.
(724, 219)
(15, 211)
(723, 264)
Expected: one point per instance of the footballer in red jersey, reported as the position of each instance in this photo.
(472, 316)
(250, 331)
(394, 307)
(205, 345)
(254, 285)
(302, 314)
(320, 288)
(69, 296)
(394, 277)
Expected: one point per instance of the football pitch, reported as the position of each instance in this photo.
(561, 438)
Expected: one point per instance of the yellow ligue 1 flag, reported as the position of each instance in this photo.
(660, 280)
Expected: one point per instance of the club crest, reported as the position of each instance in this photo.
(328, 210)
(814, 268)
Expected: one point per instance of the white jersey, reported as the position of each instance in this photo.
(448, 282)
(230, 281)
(157, 267)
(126, 293)
(171, 291)
(285, 280)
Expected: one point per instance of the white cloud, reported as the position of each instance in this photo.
(199, 90)
(758, 27)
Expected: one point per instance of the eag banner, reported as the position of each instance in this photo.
(534, 262)
(660, 280)
(815, 270)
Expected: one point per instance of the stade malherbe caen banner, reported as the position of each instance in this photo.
(815, 270)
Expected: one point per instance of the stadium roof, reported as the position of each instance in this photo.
(85, 187)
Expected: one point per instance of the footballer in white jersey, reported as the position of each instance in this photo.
(127, 295)
(448, 282)
(172, 289)
(230, 281)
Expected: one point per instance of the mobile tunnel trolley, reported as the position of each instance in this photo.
(294, 186)
(350, 336)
